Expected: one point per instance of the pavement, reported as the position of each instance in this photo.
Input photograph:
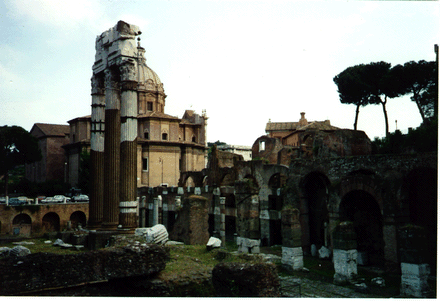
(305, 288)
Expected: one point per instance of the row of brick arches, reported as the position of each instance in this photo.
(22, 223)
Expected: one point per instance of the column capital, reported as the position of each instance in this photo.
(128, 71)
(111, 80)
(97, 85)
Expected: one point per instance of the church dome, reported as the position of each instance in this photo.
(148, 79)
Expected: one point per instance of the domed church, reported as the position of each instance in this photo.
(165, 145)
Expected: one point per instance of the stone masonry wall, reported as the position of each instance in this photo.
(46, 270)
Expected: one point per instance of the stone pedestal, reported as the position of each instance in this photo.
(292, 253)
(292, 257)
(414, 266)
(344, 253)
(414, 281)
(246, 245)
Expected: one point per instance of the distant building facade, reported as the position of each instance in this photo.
(308, 140)
(166, 145)
(245, 151)
(51, 138)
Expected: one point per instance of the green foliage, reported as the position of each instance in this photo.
(422, 139)
(374, 83)
(17, 147)
(420, 79)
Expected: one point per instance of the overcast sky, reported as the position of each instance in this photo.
(245, 62)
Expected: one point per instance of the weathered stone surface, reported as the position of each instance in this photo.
(414, 280)
(19, 251)
(324, 252)
(245, 280)
(246, 245)
(345, 265)
(157, 234)
(191, 225)
(58, 242)
(292, 258)
(46, 270)
(213, 242)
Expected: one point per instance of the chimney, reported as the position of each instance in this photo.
(303, 120)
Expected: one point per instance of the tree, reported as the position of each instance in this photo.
(17, 147)
(367, 84)
(352, 88)
(420, 80)
(383, 83)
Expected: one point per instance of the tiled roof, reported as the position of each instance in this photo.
(320, 125)
(53, 129)
(157, 115)
(281, 126)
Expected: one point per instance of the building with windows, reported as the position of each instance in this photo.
(51, 138)
(166, 145)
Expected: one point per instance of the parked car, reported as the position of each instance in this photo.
(60, 199)
(48, 200)
(41, 198)
(81, 198)
(15, 201)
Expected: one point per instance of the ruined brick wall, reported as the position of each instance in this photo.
(46, 270)
(192, 226)
(37, 212)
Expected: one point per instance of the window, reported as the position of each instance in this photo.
(150, 106)
(262, 146)
(145, 164)
(147, 135)
(164, 136)
(194, 139)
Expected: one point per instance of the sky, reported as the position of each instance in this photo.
(244, 62)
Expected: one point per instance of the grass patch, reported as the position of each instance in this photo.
(40, 246)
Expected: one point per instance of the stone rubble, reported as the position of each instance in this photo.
(213, 242)
(324, 253)
(19, 251)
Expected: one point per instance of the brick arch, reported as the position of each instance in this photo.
(78, 217)
(51, 222)
(314, 209)
(364, 183)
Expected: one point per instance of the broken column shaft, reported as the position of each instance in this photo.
(97, 153)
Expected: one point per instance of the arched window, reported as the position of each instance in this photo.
(147, 135)
(262, 145)
(164, 136)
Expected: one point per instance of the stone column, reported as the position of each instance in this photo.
(97, 153)
(248, 217)
(414, 265)
(128, 217)
(223, 220)
(155, 211)
(216, 211)
(344, 253)
(292, 253)
(112, 143)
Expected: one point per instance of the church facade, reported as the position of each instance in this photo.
(165, 145)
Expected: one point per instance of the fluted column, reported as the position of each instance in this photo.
(111, 151)
(128, 217)
(97, 153)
